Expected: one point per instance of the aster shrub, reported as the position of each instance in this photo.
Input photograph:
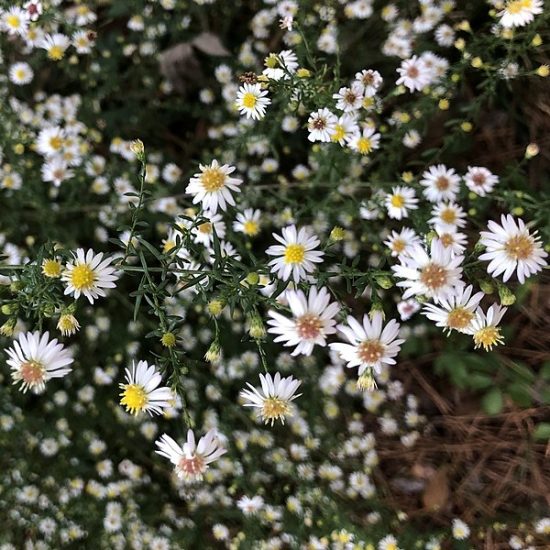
(260, 260)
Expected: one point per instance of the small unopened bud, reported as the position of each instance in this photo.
(8, 309)
(138, 149)
(68, 324)
(537, 40)
(384, 281)
(48, 310)
(532, 150)
(16, 286)
(486, 286)
(366, 381)
(303, 73)
(215, 307)
(214, 352)
(256, 329)
(7, 328)
(337, 234)
(506, 296)
(168, 340)
(51, 268)
(430, 237)
(377, 308)
(252, 278)
(543, 71)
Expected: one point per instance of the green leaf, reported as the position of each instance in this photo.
(520, 393)
(542, 431)
(492, 401)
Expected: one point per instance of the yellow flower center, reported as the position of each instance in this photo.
(251, 228)
(205, 228)
(168, 245)
(274, 409)
(364, 145)
(56, 142)
(294, 254)
(459, 318)
(82, 277)
(516, 6)
(339, 133)
(433, 276)
(51, 268)
(370, 351)
(13, 21)
(398, 245)
(249, 100)
(32, 372)
(134, 398)
(271, 61)
(212, 179)
(8, 182)
(398, 201)
(308, 326)
(55, 53)
(446, 239)
(448, 216)
(488, 337)
(20, 74)
(519, 247)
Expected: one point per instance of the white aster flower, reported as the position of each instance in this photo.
(461, 531)
(296, 254)
(400, 201)
(452, 239)
(369, 80)
(252, 101)
(480, 180)
(141, 391)
(313, 320)
(34, 360)
(212, 187)
(349, 99)
(273, 400)
(321, 125)
(372, 345)
(414, 74)
(55, 45)
(518, 13)
(365, 142)
(441, 183)
(435, 275)
(248, 222)
(403, 242)
(484, 328)
(447, 216)
(14, 21)
(455, 312)
(21, 73)
(345, 129)
(89, 275)
(510, 248)
(190, 460)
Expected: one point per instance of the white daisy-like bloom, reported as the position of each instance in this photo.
(21, 73)
(248, 222)
(312, 321)
(55, 170)
(345, 129)
(34, 9)
(321, 125)
(14, 21)
(55, 45)
(414, 74)
(365, 142)
(484, 327)
(440, 183)
(461, 531)
(518, 13)
(274, 398)
(400, 201)
(250, 506)
(542, 526)
(296, 255)
(412, 139)
(349, 99)
(34, 360)
(447, 216)
(371, 345)
(389, 542)
(403, 242)
(407, 308)
(51, 141)
(89, 275)
(435, 275)
(252, 101)
(369, 80)
(445, 35)
(141, 391)
(452, 239)
(203, 233)
(480, 180)
(212, 187)
(82, 42)
(455, 312)
(510, 247)
(191, 460)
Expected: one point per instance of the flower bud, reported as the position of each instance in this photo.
(486, 286)
(506, 296)
(214, 352)
(168, 340)
(256, 329)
